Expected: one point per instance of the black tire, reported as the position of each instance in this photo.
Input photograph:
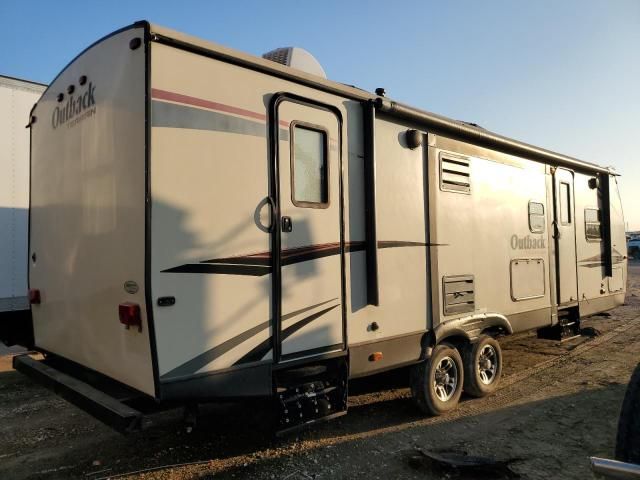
(482, 378)
(628, 439)
(438, 399)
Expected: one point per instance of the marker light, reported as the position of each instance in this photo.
(130, 315)
(375, 356)
(34, 296)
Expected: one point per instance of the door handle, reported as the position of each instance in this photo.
(556, 230)
(272, 213)
(287, 225)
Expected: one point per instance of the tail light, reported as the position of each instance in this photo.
(130, 315)
(34, 296)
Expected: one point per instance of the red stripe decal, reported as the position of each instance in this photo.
(200, 102)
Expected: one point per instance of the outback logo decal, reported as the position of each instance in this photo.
(77, 108)
(527, 243)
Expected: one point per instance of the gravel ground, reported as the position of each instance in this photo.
(558, 405)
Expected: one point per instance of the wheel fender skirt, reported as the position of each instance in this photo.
(497, 320)
(470, 327)
(105, 408)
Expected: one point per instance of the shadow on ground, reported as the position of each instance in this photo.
(232, 436)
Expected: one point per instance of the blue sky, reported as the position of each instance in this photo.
(564, 75)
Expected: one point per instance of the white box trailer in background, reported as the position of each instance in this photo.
(17, 98)
(208, 225)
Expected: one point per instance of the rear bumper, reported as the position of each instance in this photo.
(97, 403)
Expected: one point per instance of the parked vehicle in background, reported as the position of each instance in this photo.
(220, 226)
(633, 247)
(17, 98)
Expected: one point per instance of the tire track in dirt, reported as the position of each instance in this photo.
(562, 358)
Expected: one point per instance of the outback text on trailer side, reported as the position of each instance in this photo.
(207, 225)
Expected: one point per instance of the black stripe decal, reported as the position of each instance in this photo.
(262, 260)
(595, 258)
(303, 254)
(225, 269)
(599, 264)
(196, 363)
(260, 264)
(396, 243)
(289, 257)
(260, 351)
(617, 257)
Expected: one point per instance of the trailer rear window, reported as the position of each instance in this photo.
(310, 185)
(592, 228)
(536, 217)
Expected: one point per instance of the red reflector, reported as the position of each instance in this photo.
(375, 356)
(130, 315)
(34, 296)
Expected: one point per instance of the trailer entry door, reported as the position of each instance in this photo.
(565, 236)
(309, 316)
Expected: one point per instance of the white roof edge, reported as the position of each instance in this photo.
(7, 81)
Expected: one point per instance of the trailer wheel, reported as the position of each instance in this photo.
(482, 366)
(628, 439)
(436, 384)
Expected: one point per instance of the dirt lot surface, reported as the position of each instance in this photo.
(558, 404)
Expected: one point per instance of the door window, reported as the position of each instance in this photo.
(310, 179)
(565, 203)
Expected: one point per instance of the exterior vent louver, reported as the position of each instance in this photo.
(279, 55)
(455, 174)
(296, 57)
(458, 294)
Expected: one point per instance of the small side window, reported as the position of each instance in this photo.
(592, 229)
(310, 179)
(536, 217)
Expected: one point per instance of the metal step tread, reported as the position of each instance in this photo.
(306, 395)
(300, 426)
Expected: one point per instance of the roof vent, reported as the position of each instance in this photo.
(298, 58)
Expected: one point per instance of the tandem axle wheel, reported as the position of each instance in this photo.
(438, 382)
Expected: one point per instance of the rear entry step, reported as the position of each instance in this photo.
(310, 394)
(104, 407)
(567, 328)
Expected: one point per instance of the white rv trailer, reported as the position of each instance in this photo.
(210, 225)
(17, 97)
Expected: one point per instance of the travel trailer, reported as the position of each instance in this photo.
(17, 97)
(207, 225)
